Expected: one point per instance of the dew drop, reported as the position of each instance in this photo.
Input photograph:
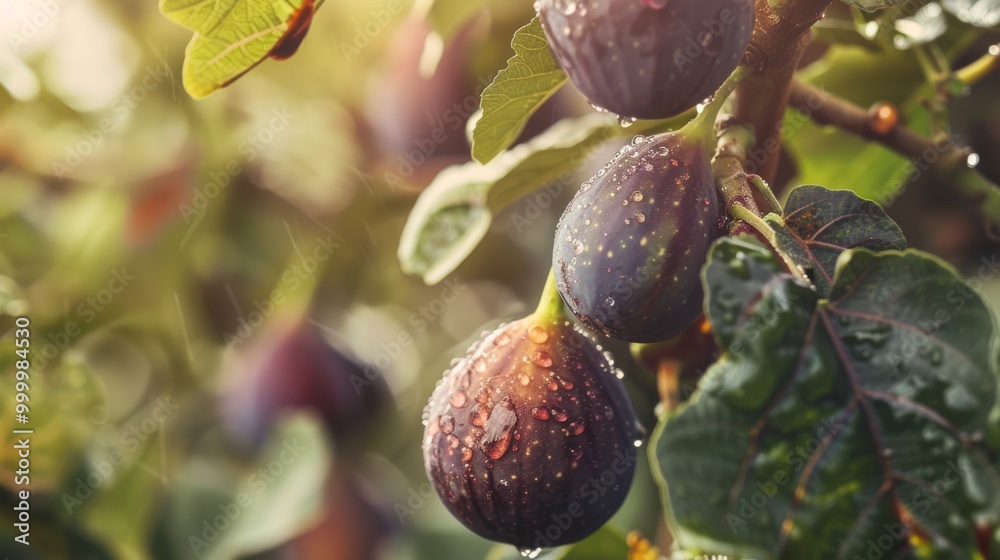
(447, 424)
(499, 429)
(502, 340)
(523, 378)
(542, 359)
(483, 395)
(553, 386)
(453, 442)
(479, 415)
(538, 335)
(466, 454)
(655, 4)
(540, 412)
(640, 217)
(577, 427)
(459, 399)
(530, 552)
(637, 196)
(560, 415)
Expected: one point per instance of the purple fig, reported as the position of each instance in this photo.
(647, 59)
(531, 438)
(630, 246)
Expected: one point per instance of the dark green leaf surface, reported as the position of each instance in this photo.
(531, 77)
(834, 425)
(820, 224)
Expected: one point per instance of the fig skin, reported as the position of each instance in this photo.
(520, 432)
(647, 59)
(630, 246)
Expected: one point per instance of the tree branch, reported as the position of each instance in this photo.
(780, 36)
(941, 155)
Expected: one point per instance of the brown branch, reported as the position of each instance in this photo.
(780, 36)
(941, 155)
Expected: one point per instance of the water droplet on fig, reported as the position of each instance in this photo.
(479, 415)
(542, 359)
(458, 400)
(540, 412)
(538, 335)
(655, 4)
(447, 424)
(466, 454)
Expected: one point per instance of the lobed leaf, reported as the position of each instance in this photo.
(833, 425)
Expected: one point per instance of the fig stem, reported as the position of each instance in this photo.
(703, 125)
(741, 212)
(550, 304)
(761, 186)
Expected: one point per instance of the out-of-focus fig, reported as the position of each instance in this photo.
(292, 367)
(647, 59)
(531, 438)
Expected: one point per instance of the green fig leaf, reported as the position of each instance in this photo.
(454, 213)
(233, 36)
(819, 224)
(832, 424)
(530, 78)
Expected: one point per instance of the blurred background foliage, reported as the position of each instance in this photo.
(220, 325)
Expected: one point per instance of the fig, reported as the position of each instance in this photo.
(630, 246)
(648, 59)
(293, 367)
(531, 438)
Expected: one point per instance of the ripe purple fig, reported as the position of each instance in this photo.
(647, 59)
(531, 438)
(630, 246)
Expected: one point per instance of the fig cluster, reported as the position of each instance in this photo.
(531, 438)
(630, 246)
(647, 59)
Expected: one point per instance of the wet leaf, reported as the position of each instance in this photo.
(819, 224)
(841, 422)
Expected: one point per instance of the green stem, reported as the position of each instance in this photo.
(703, 125)
(740, 212)
(981, 67)
(761, 186)
(550, 305)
